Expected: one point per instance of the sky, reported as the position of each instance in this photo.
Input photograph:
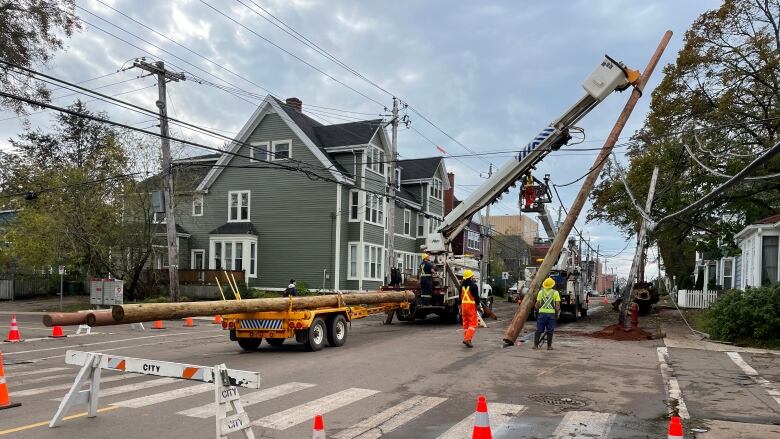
(488, 74)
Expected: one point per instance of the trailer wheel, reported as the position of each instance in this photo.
(453, 315)
(276, 342)
(337, 331)
(249, 344)
(583, 312)
(317, 334)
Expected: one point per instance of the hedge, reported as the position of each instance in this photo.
(751, 314)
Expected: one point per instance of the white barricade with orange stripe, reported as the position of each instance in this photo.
(225, 382)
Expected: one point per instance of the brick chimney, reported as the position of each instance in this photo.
(295, 104)
(449, 194)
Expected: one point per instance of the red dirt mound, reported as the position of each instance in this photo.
(616, 332)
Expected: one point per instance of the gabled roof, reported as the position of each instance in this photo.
(420, 169)
(347, 134)
(769, 220)
(241, 228)
(186, 177)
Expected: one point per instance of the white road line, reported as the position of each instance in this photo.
(76, 346)
(671, 384)
(305, 412)
(390, 419)
(11, 374)
(753, 374)
(157, 398)
(584, 425)
(37, 380)
(39, 390)
(127, 388)
(499, 414)
(209, 410)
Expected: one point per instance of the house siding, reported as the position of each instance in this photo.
(294, 217)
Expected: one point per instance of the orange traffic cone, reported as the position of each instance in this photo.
(675, 428)
(13, 334)
(158, 324)
(217, 319)
(319, 428)
(189, 323)
(5, 400)
(481, 421)
(56, 332)
(605, 301)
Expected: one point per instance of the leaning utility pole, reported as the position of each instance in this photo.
(518, 321)
(158, 69)
(391, 166)
(639, 260)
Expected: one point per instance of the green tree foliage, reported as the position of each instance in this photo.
(84, 212)
(750, 315)
(31, 32)
(720, 99)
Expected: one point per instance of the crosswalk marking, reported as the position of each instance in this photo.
(39, 390)
(305, 412)
(208, 410)
(36, 380)
(12, 374)
(753, 374)
(582, 424)
(157, 398)
(390, 419)
(127, 388)
(671, 384)
(500, 415)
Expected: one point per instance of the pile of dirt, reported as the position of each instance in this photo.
(616, 332)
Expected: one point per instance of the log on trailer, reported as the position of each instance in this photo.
(72, 318)
(147, 312)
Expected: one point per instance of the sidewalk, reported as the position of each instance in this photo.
(41, 305)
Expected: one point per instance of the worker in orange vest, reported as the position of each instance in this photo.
(469, 294)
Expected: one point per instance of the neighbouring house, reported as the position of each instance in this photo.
(470, 240)
(759, 263)
(293, 198)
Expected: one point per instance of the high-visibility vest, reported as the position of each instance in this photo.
(422, 271)
(466, 295)
(548, 301)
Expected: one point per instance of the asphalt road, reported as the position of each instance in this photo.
(407, 380)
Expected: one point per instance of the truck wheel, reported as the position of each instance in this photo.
(453, 315)
(249, 344)
(337, 331)
(583, 312)
(403, 315)
(317, 334)
(276, 342)
(576, 313)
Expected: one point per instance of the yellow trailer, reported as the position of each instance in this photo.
(312, 327)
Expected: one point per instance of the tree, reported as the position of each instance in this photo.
(30, 32)
(720, 100)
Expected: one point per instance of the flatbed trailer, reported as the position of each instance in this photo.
(312, 327)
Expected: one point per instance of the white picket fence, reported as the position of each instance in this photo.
(696, 298)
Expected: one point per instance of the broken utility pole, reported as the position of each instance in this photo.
(637, 266)
(158, 69)
(518, 321)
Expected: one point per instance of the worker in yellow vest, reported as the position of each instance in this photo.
(548, 305)
(469, 294)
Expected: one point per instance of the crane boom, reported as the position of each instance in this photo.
(547, 222)
(609, 76)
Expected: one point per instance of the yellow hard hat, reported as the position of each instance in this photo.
(548, 283)
(424, 255)
(467, 274)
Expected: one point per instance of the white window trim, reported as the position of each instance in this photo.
(383, 210)
(194, 198)
(432, 189)
(723, 271)
(407, 213)
(358, 266)
(379, 263)
(360, 206)
(254, 146)
(370, 150)
(273, 150)
(245, 240)
(238, 212)
(192, 258)
(424, 228)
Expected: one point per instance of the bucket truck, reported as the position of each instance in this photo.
(609, 76)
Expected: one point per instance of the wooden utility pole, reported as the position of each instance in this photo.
(513, 331)
(391, 166)
(637, 265)
(158, 69)
(483, 264)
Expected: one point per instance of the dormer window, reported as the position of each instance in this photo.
(435, 189)
(375, 160)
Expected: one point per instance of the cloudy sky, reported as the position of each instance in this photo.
(489, 74)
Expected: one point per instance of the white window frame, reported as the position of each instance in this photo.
(360, 198)
(398, 178)
(472, 237)
(238, 211)
(407, 222)
(433, 224)
(195, 251)
(195, 199)
(353, 250)
(376, 258)
(435, 189)
(246, 257)
(158, 219)
(374, 209)
(420, 222)
(275, 143)
(252, 259)
(374, 160)
(724, 275)
(255, 146)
